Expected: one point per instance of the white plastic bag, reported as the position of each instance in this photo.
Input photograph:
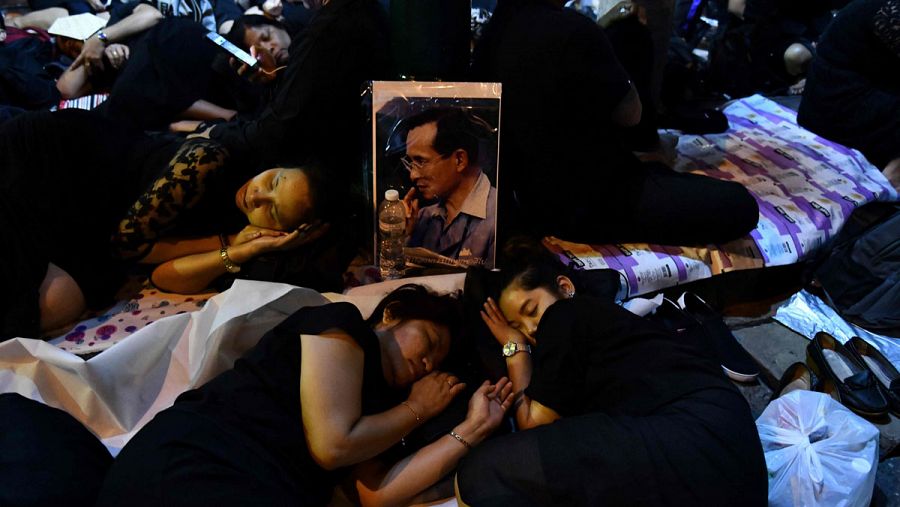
(817, 452)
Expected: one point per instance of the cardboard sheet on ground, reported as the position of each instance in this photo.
(806, 187)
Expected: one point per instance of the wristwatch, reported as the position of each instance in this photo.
(512, 348)
(103, 38)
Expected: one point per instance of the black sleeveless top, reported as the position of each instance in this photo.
(258, 401)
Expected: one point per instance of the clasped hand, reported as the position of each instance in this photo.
(432, 393)
(91, 56)
(117, 54)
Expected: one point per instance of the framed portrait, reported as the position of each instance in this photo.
(436, 144)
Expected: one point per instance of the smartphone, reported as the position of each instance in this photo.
(237, 52)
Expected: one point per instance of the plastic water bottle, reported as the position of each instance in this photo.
(391, 236)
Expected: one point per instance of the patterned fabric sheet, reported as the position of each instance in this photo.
(139, 305)
(806, 187)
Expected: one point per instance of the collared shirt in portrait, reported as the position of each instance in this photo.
(470, 235)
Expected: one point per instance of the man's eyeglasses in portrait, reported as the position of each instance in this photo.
(409, 163)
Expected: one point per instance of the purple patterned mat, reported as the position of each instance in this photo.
(806, 187)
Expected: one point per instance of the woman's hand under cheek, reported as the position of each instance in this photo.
(261, 240)
(501, 329)
(432, 393)
(258, 242)
(251, 232)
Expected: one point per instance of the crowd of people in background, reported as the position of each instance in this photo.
(202, 169)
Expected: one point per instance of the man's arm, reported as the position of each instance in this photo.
(142, 18)
(74, 83)
(205, 110)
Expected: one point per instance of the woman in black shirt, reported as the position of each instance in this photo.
(623, 413)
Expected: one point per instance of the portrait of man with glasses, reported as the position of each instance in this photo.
(452, 203)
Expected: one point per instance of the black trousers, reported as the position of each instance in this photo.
(643, 203)
(47, 457)
(702, 449)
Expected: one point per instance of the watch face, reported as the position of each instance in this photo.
(509, 349)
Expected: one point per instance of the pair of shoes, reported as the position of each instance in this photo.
(886, 375)
(735, 361)
(797, 377)
(853, 382)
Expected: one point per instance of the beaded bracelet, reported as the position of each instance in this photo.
(461, 439)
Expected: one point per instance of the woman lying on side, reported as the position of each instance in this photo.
(617, 410)
(322, 391)
(70, 181)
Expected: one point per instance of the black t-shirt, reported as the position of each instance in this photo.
(593, 355)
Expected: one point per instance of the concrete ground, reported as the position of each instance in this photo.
(775, 347)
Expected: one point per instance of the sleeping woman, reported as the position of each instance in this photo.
(322, 391)
(617, 410)
(81, 199)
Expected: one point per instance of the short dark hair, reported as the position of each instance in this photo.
(456, 129)
(238, 30)
(527, 264)
(412, 301)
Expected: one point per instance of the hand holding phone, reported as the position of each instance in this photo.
(242, 56)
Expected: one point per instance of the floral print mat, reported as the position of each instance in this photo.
(141, 305)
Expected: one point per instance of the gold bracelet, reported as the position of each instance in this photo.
(418, 419)
(229, 266)
(461, 439)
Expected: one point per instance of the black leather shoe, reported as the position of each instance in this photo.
(855, 384)
(735, 361)
(796, 377)
(886, 375)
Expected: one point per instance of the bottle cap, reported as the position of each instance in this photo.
(392, 195)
